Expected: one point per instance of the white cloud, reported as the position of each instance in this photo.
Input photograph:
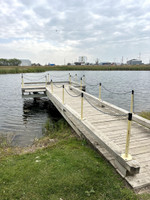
(48, 30)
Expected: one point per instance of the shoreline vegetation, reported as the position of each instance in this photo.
(59, 166)
(145, 114)
(32, 69)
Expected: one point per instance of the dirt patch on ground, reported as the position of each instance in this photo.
(7, 150)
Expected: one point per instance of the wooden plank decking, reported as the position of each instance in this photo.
(107, 133)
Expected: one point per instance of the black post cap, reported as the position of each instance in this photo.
(129, 116)
(63, 86)
(82, 94)
(132, 91)
(100, 84)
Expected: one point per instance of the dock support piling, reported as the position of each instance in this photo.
(127, 156)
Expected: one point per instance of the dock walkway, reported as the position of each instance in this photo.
(105, 127)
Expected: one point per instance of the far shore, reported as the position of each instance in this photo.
(32, 69)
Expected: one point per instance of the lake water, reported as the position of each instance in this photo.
(23, 120)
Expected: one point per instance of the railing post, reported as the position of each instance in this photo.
(84, 79)
(127, 156)
(69, 79)
(75, 77)
(132, 101)
(100, 91)
(82, 106)
(63, 94)
(81, 84)
(22, 80)
(46, 80)
(51, 86)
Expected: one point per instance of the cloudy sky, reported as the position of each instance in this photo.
(59, 31)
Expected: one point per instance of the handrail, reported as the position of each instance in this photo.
(136, 118)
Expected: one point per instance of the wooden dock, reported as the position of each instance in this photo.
(104, 126)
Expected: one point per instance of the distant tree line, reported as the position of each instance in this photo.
(36, 64)
(9, 62)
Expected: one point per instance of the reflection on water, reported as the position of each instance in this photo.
(23, 120)
(33, 107)
(35, 114)
(23, 130)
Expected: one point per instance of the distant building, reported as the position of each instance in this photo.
(105, 63)
(82, 59)
(77, 63)
(51, 64)
(134, 62)
(25, 62)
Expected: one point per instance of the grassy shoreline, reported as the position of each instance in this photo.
(32, 69)
(60, 166)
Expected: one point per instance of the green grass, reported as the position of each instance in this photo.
(68, 169)
(145, 114)
(31, 69)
